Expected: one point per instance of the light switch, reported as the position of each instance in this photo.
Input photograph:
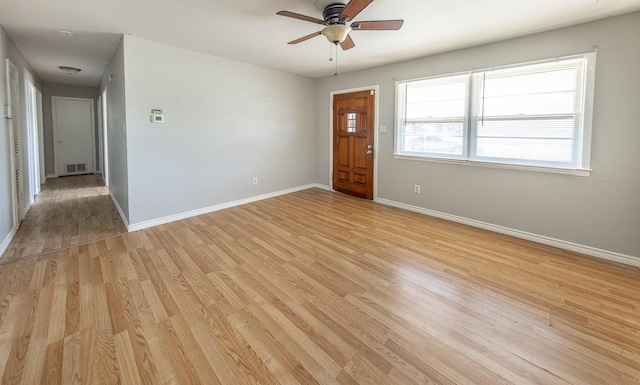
(383, 128)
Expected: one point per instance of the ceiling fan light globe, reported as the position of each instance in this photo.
(336, 34)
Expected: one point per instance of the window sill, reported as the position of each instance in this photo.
(551, 170)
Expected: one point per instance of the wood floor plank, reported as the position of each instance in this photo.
(52, 368)
(34, 362)
(7, 329)
(185, 370)
(312, 287)
(71, 363)
(126, 360)
(107, 370)
(68, 211)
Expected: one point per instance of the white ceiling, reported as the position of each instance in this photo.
(250, 30)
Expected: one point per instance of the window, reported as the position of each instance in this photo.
(526, 115)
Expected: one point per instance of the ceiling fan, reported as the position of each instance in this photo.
(336, 16)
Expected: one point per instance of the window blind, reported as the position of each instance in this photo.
(528, 114)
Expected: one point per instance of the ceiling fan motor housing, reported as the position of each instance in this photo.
(332, 12)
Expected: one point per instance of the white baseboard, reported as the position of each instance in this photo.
(323, 187)
(28, 206)
(210, 209)
(588, 250)
(50, 176)
(122, 216)
(7, 240)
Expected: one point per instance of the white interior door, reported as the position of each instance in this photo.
(73, 129)
(13, 96)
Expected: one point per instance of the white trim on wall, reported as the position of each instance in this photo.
(43, 177)
(376, 89)
(210, 209)
(100, 162)
(565, 245)
(122, 216)
(7, 240)
(323, 187)
(33, 144)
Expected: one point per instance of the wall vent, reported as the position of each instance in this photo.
(76, 168)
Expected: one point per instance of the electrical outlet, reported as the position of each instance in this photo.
(255, 181)
(416, 189)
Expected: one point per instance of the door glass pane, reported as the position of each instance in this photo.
(351, 122)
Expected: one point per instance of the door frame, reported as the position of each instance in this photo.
(105, 137)
(43, 177)
(99, 164)
(33, 142)
(376, 89)
(92, 169)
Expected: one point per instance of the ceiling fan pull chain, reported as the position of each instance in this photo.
(330, 52)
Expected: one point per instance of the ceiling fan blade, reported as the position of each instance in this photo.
(353, 8)
(309, 36)
(378, 25)
(347, 43)
(300, 17)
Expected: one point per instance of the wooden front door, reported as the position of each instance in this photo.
(353, 131)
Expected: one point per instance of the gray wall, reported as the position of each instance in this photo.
(225, 123)
(53, 89)
(9, 50)
(601, 211)
(116, 129)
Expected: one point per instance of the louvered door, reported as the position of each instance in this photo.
(13, 97)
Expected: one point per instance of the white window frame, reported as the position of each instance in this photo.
(582, 140)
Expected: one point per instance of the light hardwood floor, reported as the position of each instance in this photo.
(317, 288)
(68, 211)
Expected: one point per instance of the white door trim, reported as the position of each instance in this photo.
(43, 177)
(105, 138)
(100, 164)
(91, 168)
(376, 89)
(32, 142)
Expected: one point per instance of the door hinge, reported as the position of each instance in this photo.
(8, 112)
(372, 92)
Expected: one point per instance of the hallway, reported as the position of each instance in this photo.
(68, 211)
